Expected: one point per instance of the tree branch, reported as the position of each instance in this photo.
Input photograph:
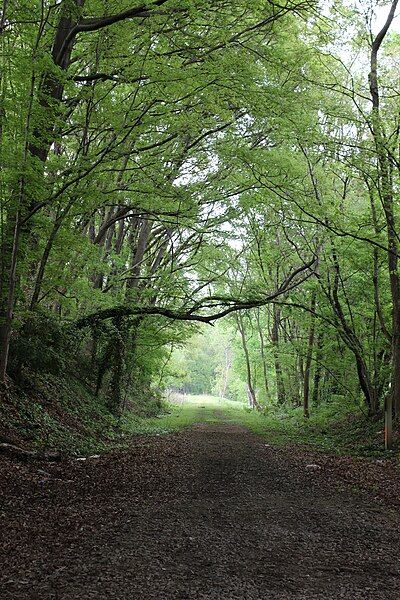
(94, 24)
(229, 305)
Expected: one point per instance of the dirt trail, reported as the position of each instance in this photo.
(209, 513)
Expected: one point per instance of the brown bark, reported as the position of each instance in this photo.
(138, 253)
(7, 296)
(310, 349)
(378, 306)
(250, 387)
(386, 191)
(350, 338)
(280, 386)
(318, 371)
(263, 356)
(45, 257)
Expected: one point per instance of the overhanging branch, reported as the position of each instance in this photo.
(223, 305)
(94, 24)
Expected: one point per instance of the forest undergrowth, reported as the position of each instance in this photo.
(344, 433)
(62, 415)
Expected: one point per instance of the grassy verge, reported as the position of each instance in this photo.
(64, 415)
(173, 418)
(331, 430)
(182, 412)
(335, 428)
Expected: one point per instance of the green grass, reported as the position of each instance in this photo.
(331, 429)
(181, 412)
(173, 418)
(336, 428)
(65, 416)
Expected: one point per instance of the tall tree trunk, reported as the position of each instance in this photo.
(115, 390)
(307, 368)
(7, 295)
(250, 388)
(45, 257)
(263, 357)
(225, 373)
(137, 254)
(386, 185)
(280, 386)
(350, 338)
(318, 371)
(16, 230)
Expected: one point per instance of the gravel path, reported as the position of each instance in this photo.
(210, 513)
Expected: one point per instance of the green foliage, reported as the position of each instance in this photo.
(338, 428)
(172, 418)
(43, 344)
(186, 161)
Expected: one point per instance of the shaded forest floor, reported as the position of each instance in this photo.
(210, 512)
